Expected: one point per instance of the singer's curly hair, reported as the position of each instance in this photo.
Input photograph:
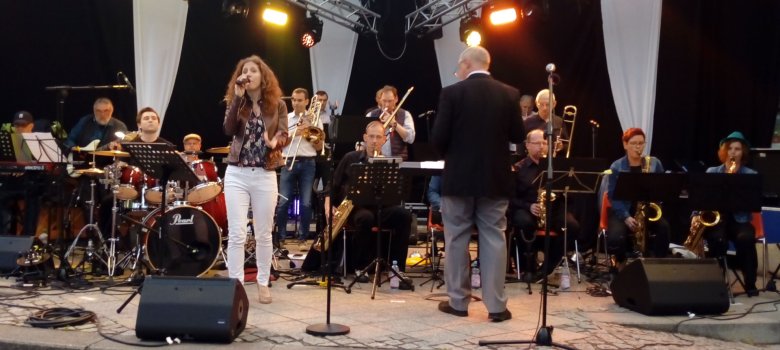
(271, 93)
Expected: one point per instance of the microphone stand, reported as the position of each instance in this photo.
(328, 328)
(543, 335)
(593, 131)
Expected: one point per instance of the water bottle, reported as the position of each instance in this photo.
(565, 278)
(476, 281)
(395, 281)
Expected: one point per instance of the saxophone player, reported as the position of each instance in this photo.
(622, 223)
(364, 218)
(735, 227)
(526, 211)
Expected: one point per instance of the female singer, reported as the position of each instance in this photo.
(736, 226)
(256, 118)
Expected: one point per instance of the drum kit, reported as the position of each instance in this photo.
(195, 218)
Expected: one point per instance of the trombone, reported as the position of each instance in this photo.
(313, 134)
(569, 117)
(397, 107)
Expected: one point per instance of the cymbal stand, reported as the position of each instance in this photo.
(91, 225)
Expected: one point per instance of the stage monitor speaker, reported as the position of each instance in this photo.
(672, 287)
(199, 309)
(11, 248)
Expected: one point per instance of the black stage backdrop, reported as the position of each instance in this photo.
(718, 67)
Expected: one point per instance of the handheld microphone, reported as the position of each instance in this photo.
(242, 81)
(594, 123)
(121, 75)
(550, 67)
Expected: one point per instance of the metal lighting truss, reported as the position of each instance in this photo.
(438, 13)
(345, 13)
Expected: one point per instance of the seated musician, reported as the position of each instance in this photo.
(526, 210)
(734, 226)
(400, 133)
(97, 126)
(12, 197)
(192, 146)
(300, 174)
(363, 218)
(623, 226)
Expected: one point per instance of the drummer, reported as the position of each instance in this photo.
(148, 121)
(192, 145)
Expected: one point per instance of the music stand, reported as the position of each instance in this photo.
(575, 175)
(161, 161)
(379, 184)
(726, 193)
(648, 187)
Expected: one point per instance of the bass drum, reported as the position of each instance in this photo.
(190, 244)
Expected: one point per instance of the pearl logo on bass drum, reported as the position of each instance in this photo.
(177, 220)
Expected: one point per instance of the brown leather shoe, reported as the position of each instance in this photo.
(445, 307)
(500, 316)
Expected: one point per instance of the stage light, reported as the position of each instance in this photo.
(503, 16)
(274, 16)
(311, 31)
(471, 30)
(235, 8)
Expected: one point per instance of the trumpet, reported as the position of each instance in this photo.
(570, 118)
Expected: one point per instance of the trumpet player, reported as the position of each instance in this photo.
(735, 227)
(526, 210)
(300, 166)
(400, 133)
(622, 223)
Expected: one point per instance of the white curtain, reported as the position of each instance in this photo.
(331, 61)
(448, 49)
(631, 34)
(158, 27)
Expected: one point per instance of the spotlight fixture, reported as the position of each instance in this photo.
(274, 15)
(311, 31)
(235, 8)
(471, 30)
(499, 16)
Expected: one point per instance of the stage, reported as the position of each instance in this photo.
(399, 319)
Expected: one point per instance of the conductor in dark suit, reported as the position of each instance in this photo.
(477, 119)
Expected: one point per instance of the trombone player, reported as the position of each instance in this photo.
(624, 219)
(400, 133)
(539, 119)
(299, 165)
(735, 227)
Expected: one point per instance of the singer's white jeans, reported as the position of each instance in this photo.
(245, 186)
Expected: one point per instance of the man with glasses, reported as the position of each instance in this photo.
(622, 224)
(525, 211)
(400, 132)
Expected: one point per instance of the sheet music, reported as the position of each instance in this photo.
(43, 147)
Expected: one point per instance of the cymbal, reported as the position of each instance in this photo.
(219, 150)
(90, 172)
(111, 153)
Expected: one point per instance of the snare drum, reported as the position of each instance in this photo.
(210, 186)
(154, 196)
(190, 244)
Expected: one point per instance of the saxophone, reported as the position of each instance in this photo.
(339, 218)
(641, 216)
(542, 220)
(695, 240)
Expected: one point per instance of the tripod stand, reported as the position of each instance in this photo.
(376, 183)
